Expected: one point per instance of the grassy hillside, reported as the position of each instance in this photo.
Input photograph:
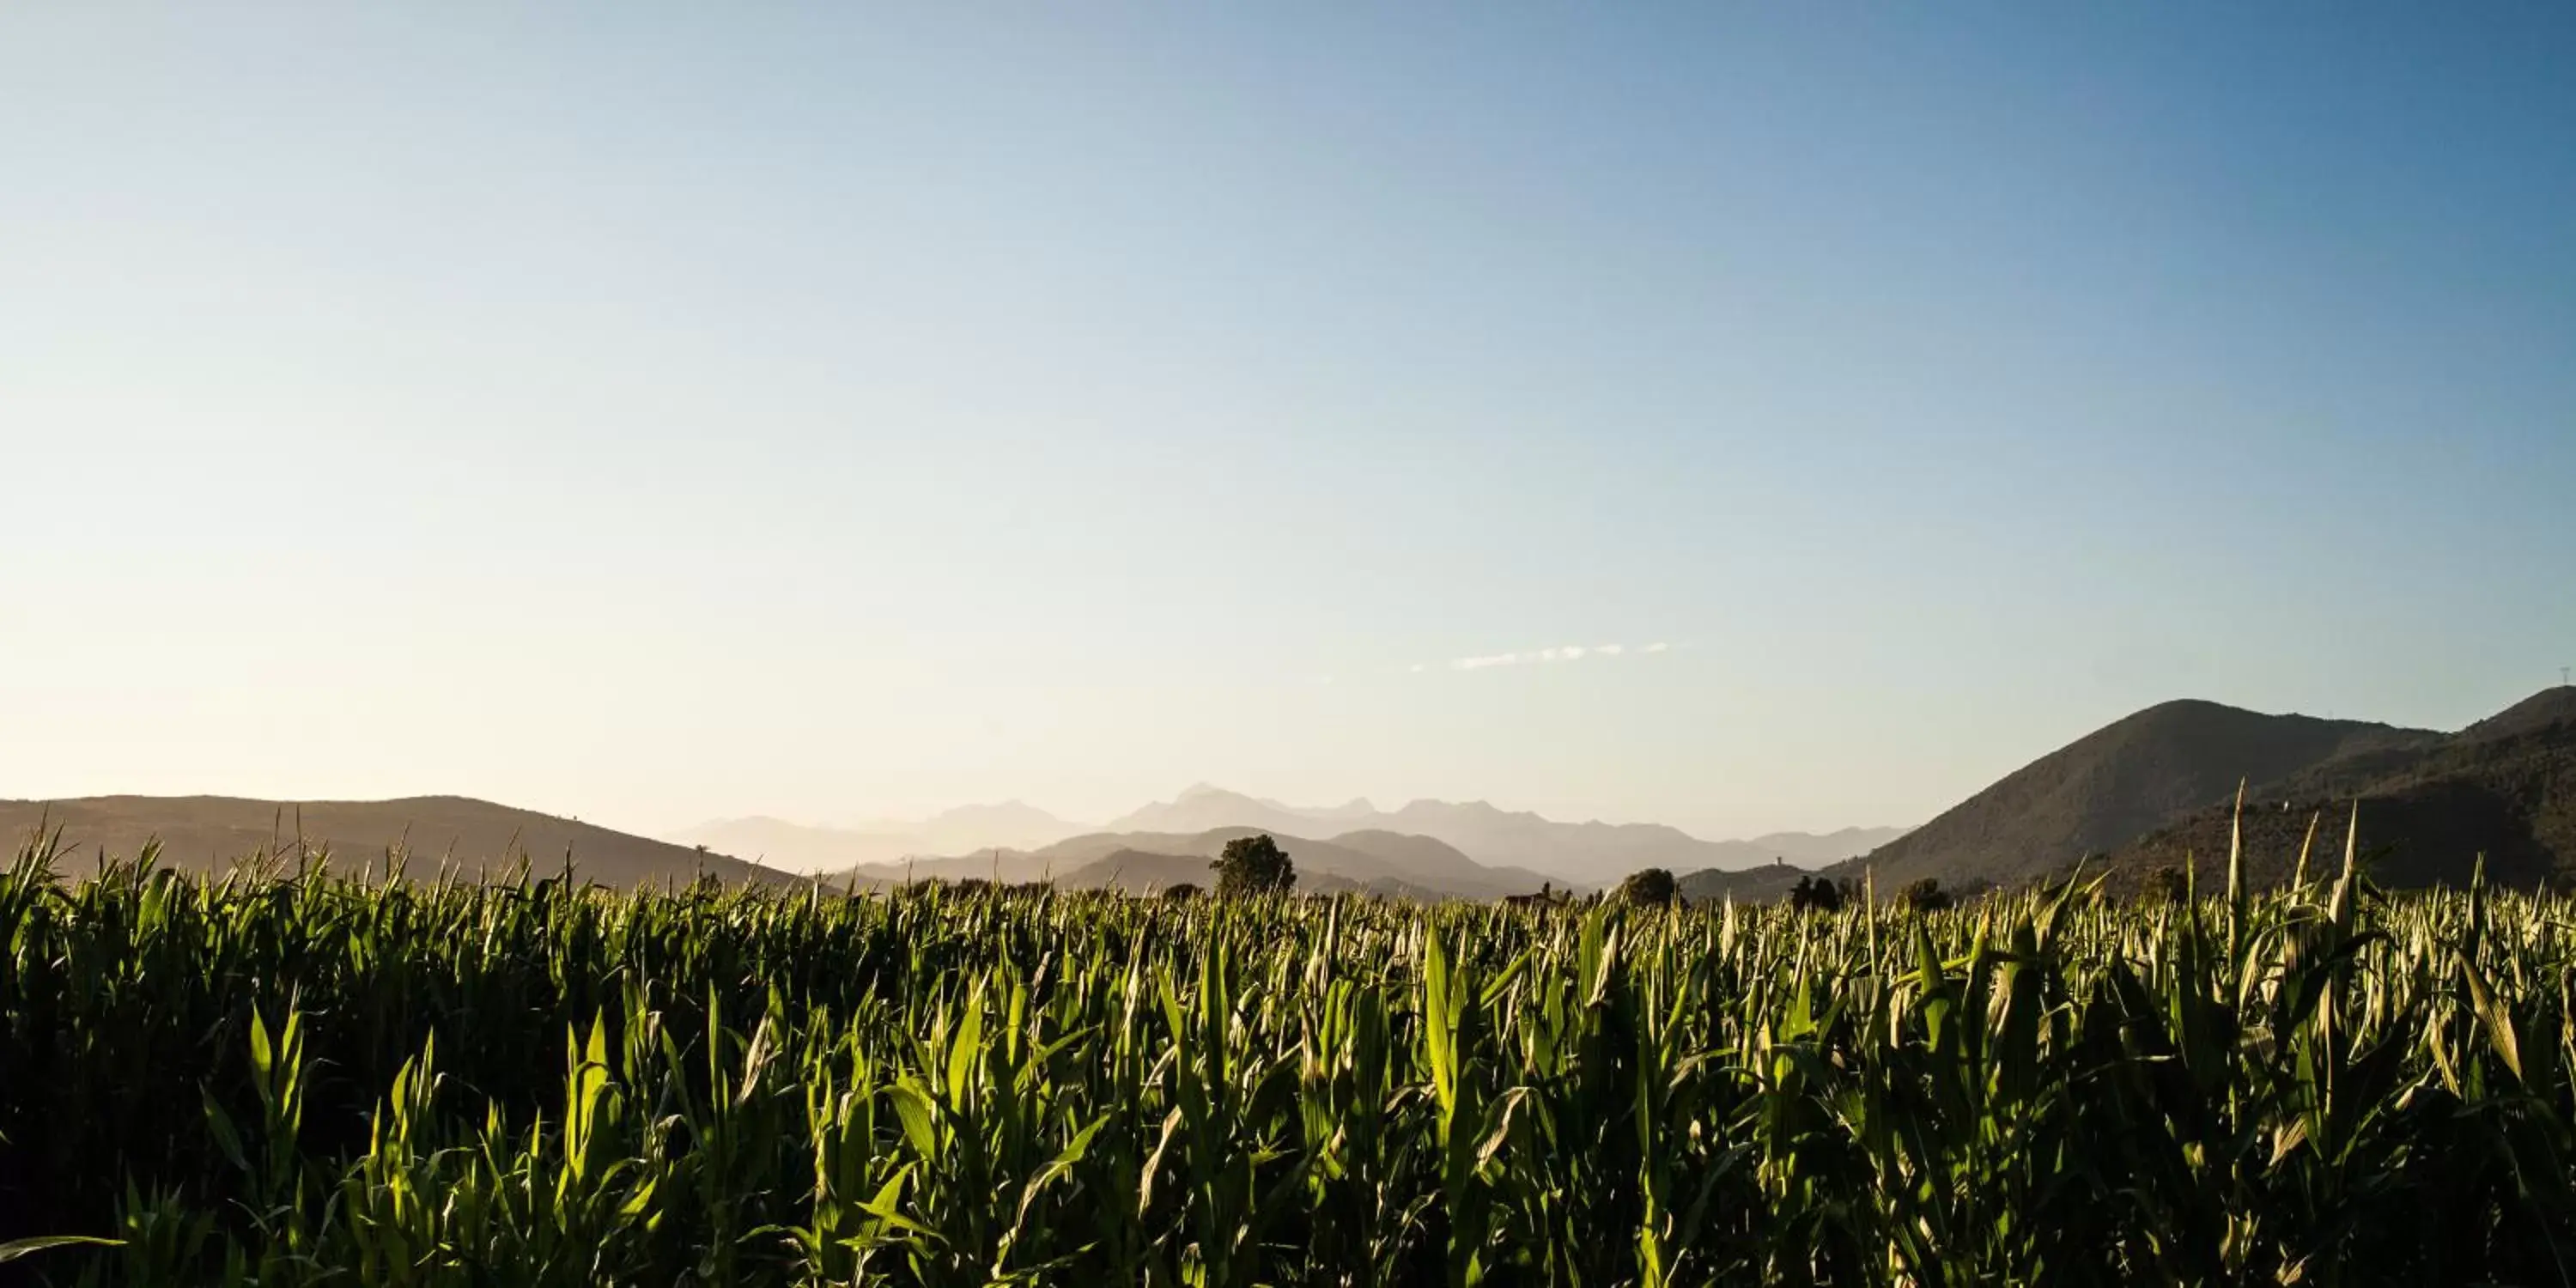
(209, 833)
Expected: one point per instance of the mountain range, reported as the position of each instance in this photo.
(1590, 853)
(447, 833)
(1581, 854)
(1370, 859)
(2148, 792)
(803, 848)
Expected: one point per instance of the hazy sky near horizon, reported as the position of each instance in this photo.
(653, 412)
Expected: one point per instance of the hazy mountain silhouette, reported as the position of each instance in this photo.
(1201, 807)
(1141, 872)
(1583, 853)
(1367, 858)
(212, 833)
(803, 848)
(1138, 872)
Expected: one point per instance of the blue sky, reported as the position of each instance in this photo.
(653, 412)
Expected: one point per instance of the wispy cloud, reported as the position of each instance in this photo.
(1541, 656)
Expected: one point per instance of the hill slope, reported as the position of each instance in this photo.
(2109, 788)
(2504, 788)
(210, 833)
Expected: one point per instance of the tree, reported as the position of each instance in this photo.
(1815, 894)
(1654, 885)
(1253, 865)
(1925, 895)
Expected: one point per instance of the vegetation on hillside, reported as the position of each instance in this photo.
(308, 1079)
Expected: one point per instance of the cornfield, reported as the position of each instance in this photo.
(300, 1078)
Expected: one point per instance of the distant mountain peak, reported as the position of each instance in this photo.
(1014, 810)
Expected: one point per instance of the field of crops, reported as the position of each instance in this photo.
(303, 1080)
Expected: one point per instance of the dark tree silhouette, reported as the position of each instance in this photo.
(1815, 894)
(1925, 895)
(1654, 885)
(1253, 865)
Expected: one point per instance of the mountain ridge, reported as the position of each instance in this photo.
(2118, 783)
(2159, 788)
(2501, 792)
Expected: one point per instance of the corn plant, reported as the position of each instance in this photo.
(287, 1077)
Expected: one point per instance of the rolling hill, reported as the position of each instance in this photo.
(210, 833)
